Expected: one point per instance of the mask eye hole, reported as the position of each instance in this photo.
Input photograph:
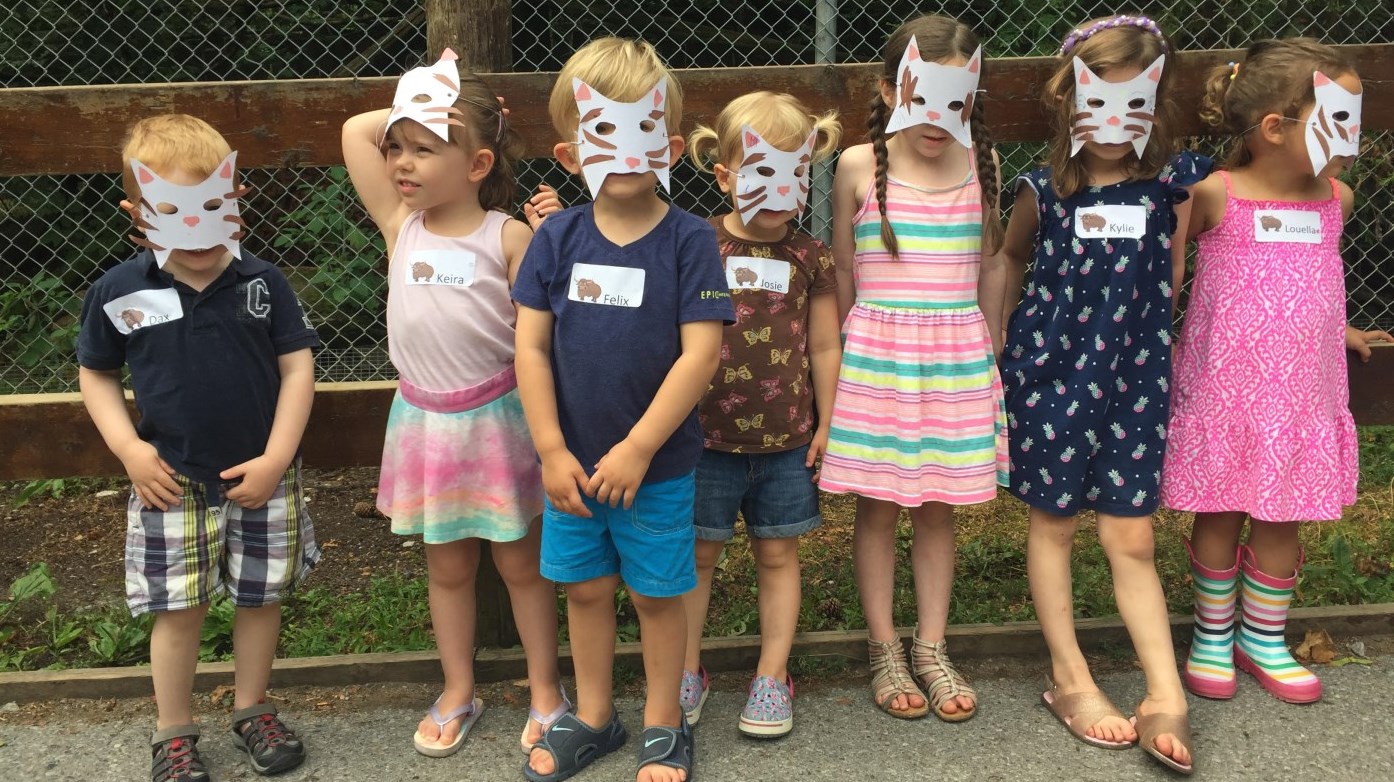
(798, 172)
(421, 98)
(647, 126)
(917, 100)
(1094, 103)
(764, 171)
(1340, 116)
(1137, 103)
(213, 204)
(605, 128)
(956, 105)
(166, 208)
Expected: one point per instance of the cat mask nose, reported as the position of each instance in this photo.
(932, 115)
(632, 162)
(1114, 121)
(783, 189)
(191, 221)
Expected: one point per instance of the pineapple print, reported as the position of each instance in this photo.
(1030, 289)
(1113, 367)
(1065, 341)
(1091, 437)
(1108, 247)
(1139, 498)
(1146, 308)
(1026, 445)
(1072, 409)
(1119, 313)
(1049, 247)
(1060, 211)
(1141, 404)
(1127, 340)
(1032, 310)
(1037, 339)
(1118, 381)
(1063, 501)
(1092, 494)
(1118, 432)
(1077, 247)
(1033, 399)
(1059, 387)
(1020, 378)
(1142, 356)
(1070, 293)
(1084, 314)
(1107, 293)
(1095, 391)
(1045, 477)
(1046, 296)
(1161, 432)
(1099, 342)
(1017, 350)
(1122, 264)
(1165, 240)
(1067, 454)
(1139, 451)
(1147, 202)
(1165, 288)
(1115, 477)
(1043, 358)
(1087, 266)
(1081, 361)
(1049, 431)
(1063, 268)
(1164, 335)
(1161, 381)
(1025, 487)
(1135, 293)
(1011, 420)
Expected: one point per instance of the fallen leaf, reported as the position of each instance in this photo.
(510, 698)
(1350, 661)
(221, 693)
(331, 543)
(520, 683)
(844, 701)
(1317, 648)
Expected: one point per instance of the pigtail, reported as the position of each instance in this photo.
(829, 132)
(993, 232)
(876, 129)
(703, 145)
(500, 187)
(1212, 111)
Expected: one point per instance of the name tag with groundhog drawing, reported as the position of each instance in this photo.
(763, 273)
(440, 267)
(1287, 225)
(143, 309)
(1112, 221)
(617, 286)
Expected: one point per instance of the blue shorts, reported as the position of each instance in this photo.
(774, 492)
(650, 545)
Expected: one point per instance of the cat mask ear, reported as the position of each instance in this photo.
(1115, 112)
(428, 95)
(621, 138)
(770, 178)
(930, 93)
(1333, 127)
(189, 217)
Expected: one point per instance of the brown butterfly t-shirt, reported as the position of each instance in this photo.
(761, 398)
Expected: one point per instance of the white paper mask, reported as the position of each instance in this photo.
(1115, 113)
(189, 217)
(930, 93)
(428, 95)
(621, 138)
(770, 178)
(1333, 128)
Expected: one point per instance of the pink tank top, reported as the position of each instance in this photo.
(450, 319)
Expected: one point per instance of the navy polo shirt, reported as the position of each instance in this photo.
(615, 336)
(203, 363)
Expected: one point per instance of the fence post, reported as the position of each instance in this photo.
(824, 53)
(480, 31)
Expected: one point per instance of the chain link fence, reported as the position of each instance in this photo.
(61, 232)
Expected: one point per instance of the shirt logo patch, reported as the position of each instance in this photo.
(143, 309)
(1111, 221)
(258, 298)
(440, 267)
(1287, 225)
(745, 273)
(615, 286)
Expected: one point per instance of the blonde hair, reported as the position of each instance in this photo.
(778, 117)
(621, 70)
(171, 141)
(938, 38)
(1274, 77)
(1109, 48)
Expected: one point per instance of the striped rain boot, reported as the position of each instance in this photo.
(1259, 649)
(1210, 666)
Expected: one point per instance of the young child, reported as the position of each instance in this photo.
(1261, 428)
(764, 442)
(1087, 361)
(621, 303)
(917, 421)
(439, 199)
(219, 356)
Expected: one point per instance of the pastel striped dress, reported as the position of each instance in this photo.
(918, 415)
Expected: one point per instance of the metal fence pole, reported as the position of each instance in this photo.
(824, 53)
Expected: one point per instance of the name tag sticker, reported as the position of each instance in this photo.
(614, 286)
(744, 272)
(143, 309)
(440, 267)
(1287, 225)
(1111, 221)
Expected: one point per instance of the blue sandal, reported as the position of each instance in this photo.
(671, 747)
(574, 745)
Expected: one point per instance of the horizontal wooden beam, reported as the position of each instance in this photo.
(51, 436)
(273, 124)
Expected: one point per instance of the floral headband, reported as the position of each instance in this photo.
(1081, 34)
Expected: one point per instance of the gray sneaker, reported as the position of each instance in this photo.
(174, 756)
(271, 747)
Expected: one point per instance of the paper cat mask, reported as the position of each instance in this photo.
(935, 94)
(770, 178)
(1333, 129)
(428, 95)
(189, 217)
(1115, 113)
(621, 138)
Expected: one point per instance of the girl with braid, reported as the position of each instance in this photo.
(917, 419)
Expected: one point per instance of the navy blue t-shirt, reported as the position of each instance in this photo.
(617, 314)
(203, 363)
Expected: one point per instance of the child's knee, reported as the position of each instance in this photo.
(592, 592)
(708, 554)
(648, 606)
(776, 553)
(1128, 540)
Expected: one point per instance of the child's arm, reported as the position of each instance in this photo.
(562, 474)
(151, 477)
(1184, 212)
(261, 475)
(1016, 250)
(516, 238)
(992, 279)
(367, 170)
(825, 354)
(853, 169)
(620, 471)
(542, 203)
(1357, 340)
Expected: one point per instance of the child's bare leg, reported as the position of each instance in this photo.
(873, 560)
(590, 620)
(932, 563)
(450, 572)
(777, 574)
(1215, 538)
(173, 657)
(1275, 546)
(1048, 550)
(1128, 542)
(695, 603)
(534, 600)
(255, 633)
(663, 632)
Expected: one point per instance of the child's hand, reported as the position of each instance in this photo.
(562, 480)
(151, 477)
(1359, 341)
(542, 203)
(618, 474)
(260, 477)
(816, 448)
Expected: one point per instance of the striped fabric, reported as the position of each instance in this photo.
(918, 415)
(1261, 649)
(1210, 665)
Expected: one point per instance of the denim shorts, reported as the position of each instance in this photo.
(650, 545)
(774, 492)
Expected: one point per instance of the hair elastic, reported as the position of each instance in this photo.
(1082, 34)
(1233, 70)
(498, 134)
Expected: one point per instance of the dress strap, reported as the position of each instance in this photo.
(1229, 186)
(1335, 188)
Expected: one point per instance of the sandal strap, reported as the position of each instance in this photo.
(890, 672)
(574, 745)
(936, 672)
(552, 716)
(664, 746)
(1085, 709)
(442, 720)
(1151, 726)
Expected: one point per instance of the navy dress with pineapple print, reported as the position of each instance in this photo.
(1087, 362)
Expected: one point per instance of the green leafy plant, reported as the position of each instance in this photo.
(52, 487)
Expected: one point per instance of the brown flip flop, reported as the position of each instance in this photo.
(1080, 711)
(1150, 726)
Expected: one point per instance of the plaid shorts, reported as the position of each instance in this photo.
(181, 557)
